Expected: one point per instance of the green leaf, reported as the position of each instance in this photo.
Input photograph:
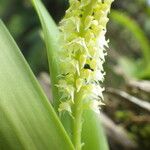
(130, 67)
(27, 120)
(134, 69)
(93, 135)
(51, 38)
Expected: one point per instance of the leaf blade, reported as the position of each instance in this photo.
(26, 116)
(93, 134)
(51, 39)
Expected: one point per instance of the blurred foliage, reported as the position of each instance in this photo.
(132, 118)
(23, 24)
(141, 68)
(129, 32)
(138, 127)
(129, 54)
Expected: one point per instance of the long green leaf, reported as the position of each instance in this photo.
(51, 37)
(27, 120)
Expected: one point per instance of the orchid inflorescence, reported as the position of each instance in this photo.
(83, 53)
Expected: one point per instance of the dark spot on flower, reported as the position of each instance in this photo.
(65, 74)
(100, 82)
(100, 98)
(87, 66)
(93, 13)
(102, 71)
(80, 15)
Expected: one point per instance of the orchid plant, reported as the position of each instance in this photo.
(76, 53)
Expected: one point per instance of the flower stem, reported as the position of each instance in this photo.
(78, 107)
(77, 124)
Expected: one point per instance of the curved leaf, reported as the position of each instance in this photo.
(51, 38)
(27, 120)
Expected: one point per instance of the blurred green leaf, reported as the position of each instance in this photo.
(140, 68)
(124, 20)
(134, 69)
(129, 66)
(51, 37)
(27, 120)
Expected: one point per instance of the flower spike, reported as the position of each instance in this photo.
(83, 50)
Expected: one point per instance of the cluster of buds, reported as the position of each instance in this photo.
(83, 46)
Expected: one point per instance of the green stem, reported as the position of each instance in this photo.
(77, 124)
(78, 106)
